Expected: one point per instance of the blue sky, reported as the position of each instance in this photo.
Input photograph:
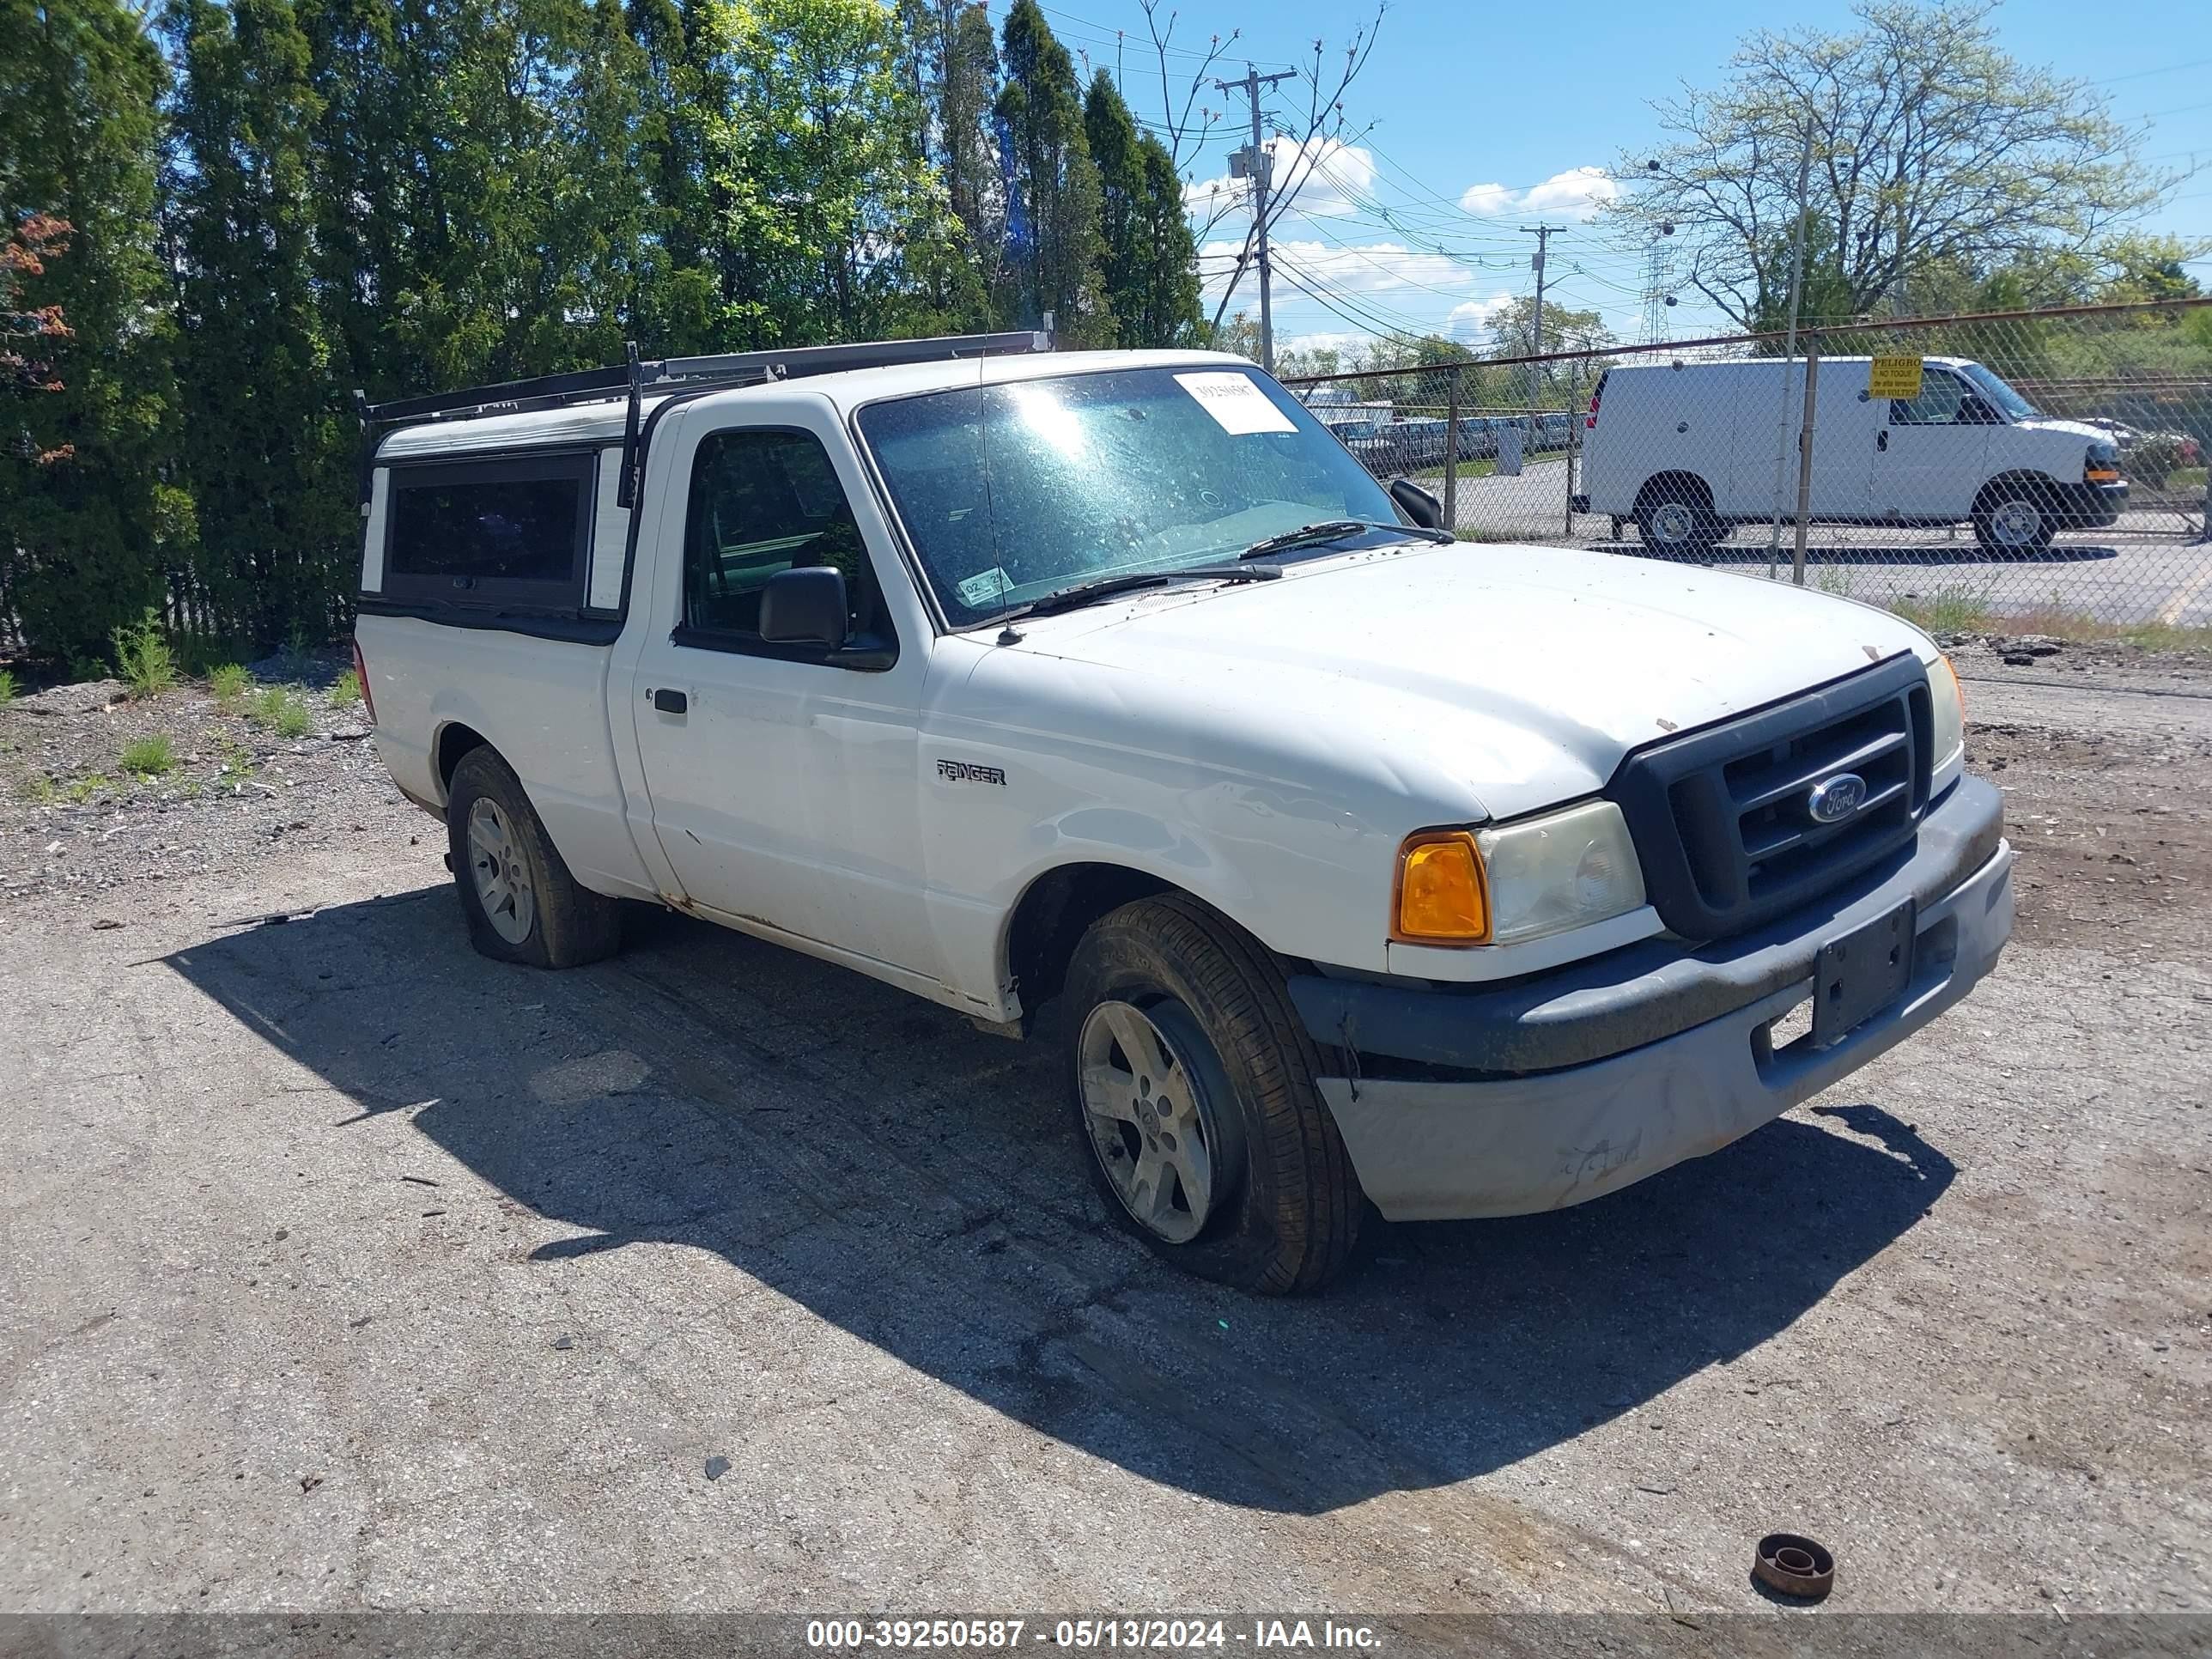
(1514, 102)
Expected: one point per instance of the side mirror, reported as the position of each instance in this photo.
(805, 606)
(1417, 504)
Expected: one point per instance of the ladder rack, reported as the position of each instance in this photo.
(635, 379)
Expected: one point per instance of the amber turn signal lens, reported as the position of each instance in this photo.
(2101, 474)
(1440, 898)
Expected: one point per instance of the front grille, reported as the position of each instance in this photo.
(1721, 816)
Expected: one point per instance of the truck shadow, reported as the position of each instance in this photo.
(916, 1183)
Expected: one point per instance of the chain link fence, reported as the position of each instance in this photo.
(2038, 470)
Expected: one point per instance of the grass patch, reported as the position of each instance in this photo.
(237, 762)
(84, 788)
(144, 658)
(2061, 623)
(38, 790)
(150, 757)
(228, 685)
(2184, 477)
(1959, 608)
(282, 711)
(7, 688)
(346, 693)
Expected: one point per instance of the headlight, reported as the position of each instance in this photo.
(1519, 881)
(1948, 738)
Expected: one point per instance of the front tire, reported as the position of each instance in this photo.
(520, 902)
(1192, 1088)
(2016, 521)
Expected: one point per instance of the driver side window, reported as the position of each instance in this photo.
(1938, 404)
(764, 501)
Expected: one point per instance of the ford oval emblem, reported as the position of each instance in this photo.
(1833, 800)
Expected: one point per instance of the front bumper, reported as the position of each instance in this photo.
(2091, 506)
(1571, 1084)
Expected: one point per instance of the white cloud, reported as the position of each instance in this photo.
(1485, 199)
(1360, 268)
(1580, 191)
(1340, 342)
(1328, 177)
(1469, 321)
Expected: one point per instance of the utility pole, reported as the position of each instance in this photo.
(1790, 353)
(1543, 233)
(1258, 166)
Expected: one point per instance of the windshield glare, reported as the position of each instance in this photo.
(1996, 393)
(1013, 491)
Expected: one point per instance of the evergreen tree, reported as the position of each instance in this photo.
(1054, 242)
(87, 520)
(1150, 268)
(683, 84)
(265, 449)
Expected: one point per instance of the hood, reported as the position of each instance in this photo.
(1522, 674)
(2069, 429)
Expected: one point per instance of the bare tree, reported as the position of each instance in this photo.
(1316, 130)
(1931, 148)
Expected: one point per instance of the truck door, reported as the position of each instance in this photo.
(1931, 454)
(781, 780)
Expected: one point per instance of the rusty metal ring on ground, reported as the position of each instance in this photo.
(1792, 1565)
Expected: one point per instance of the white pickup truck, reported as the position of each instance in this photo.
(1361, 864)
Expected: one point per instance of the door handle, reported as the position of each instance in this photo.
(1881, 439)
(670, 702)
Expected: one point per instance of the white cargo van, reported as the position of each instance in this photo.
(1687, 450)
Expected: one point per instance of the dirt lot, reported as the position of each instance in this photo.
(345, 1269)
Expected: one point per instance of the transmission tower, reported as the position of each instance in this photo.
(1658, 285)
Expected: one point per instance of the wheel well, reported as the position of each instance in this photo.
(1052, 915)
(455, 741)
(1664, 486)
(2006, 483)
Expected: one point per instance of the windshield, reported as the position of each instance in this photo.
(1090, 477)
(1999, 395)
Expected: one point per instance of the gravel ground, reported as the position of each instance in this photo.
(347, 1270)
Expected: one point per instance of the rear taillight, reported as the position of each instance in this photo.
(1592, 422)
(360, 676)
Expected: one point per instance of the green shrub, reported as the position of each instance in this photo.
(144, 658)
(2156, 458)
(346, 694)
(149, 756)
(228, 683)
(1956, 608)
(277, 709)
(7, 688)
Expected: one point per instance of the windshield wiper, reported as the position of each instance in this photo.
(1067, 598)
(1329, 530)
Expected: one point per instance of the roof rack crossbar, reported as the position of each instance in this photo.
(632, 378)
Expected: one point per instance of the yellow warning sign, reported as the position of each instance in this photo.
(1895, 377)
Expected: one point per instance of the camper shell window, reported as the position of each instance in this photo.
(514, 532)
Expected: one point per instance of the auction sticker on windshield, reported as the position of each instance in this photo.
(1237, 404)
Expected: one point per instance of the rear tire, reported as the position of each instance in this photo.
(1674, 518)
(2016, 520)
(1192, 1083)
(521, 903)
